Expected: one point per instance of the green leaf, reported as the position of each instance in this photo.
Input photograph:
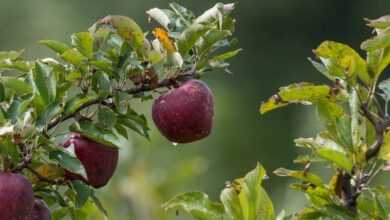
(340, 159)
(382, 40)
(84, 42)
(185, 15)
(135, 122)
(10, 55)
(384, 152)
(97, 134)
(301, 175)
(17, 85)
(189, 37)
(68, 161)
(322, 69)
(102, 84)
(342, 61)
(19, 65)
(246, 199)
(128, 29)
(76, 102)
(344, 132)
(210, 40)
(303, 93)
(225, 56)
(45, 82)
(106, 117)
(104, 65)
(9, 149)
(83, 192)
(336, 121)
(11, 60)
(197, 204)
(73, 56)
(99, 205)
(18, 107)
(44, 118)
(56, 46)
(319, 196)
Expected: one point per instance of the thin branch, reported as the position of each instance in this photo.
(134, 91)
(26, 158)
(380, 126)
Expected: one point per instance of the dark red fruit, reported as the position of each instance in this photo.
(16, 197)
(40, 211)
(185, 114)
(99, 161)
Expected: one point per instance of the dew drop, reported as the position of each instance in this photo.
(175, 144)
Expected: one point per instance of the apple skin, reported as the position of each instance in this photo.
(40, 211)
(185, 114)
(99, 161)
(16, 197)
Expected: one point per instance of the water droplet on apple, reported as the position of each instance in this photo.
(175, 144)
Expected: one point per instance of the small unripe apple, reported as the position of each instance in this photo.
(185, 114)
(16, 197)
(99, 161)
(40, 211)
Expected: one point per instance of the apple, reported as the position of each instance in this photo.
(40, 211)
(99, 161)
(185, 114)
(16, 197)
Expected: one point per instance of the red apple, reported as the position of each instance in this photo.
(40, 211)
(185, 114)
(16, 197)
(99, 161)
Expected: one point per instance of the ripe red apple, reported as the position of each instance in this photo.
(40, 211)
(16, 197)
(99, 161)
(185, 114)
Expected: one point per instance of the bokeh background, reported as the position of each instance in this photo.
(277, 36)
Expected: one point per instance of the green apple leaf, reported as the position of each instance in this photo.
(197, 204)
(343, 62)
(303, 93)
(246, 199)
(56, 46)
(83, 192)
(189, 37)
(84, 42)
(301, 175)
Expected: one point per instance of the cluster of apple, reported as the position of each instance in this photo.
(183, 115)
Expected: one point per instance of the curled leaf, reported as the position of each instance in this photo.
(160, 16)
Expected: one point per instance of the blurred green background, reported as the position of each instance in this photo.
(277, 36)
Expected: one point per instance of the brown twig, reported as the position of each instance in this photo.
(26, 158)
(134, 91)
(380, 126)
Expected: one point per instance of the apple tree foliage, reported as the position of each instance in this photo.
(88, 88)
(354, 142)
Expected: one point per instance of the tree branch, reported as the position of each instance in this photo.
(380, 126)
(146, 87)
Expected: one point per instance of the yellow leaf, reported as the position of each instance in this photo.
(165, 40)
